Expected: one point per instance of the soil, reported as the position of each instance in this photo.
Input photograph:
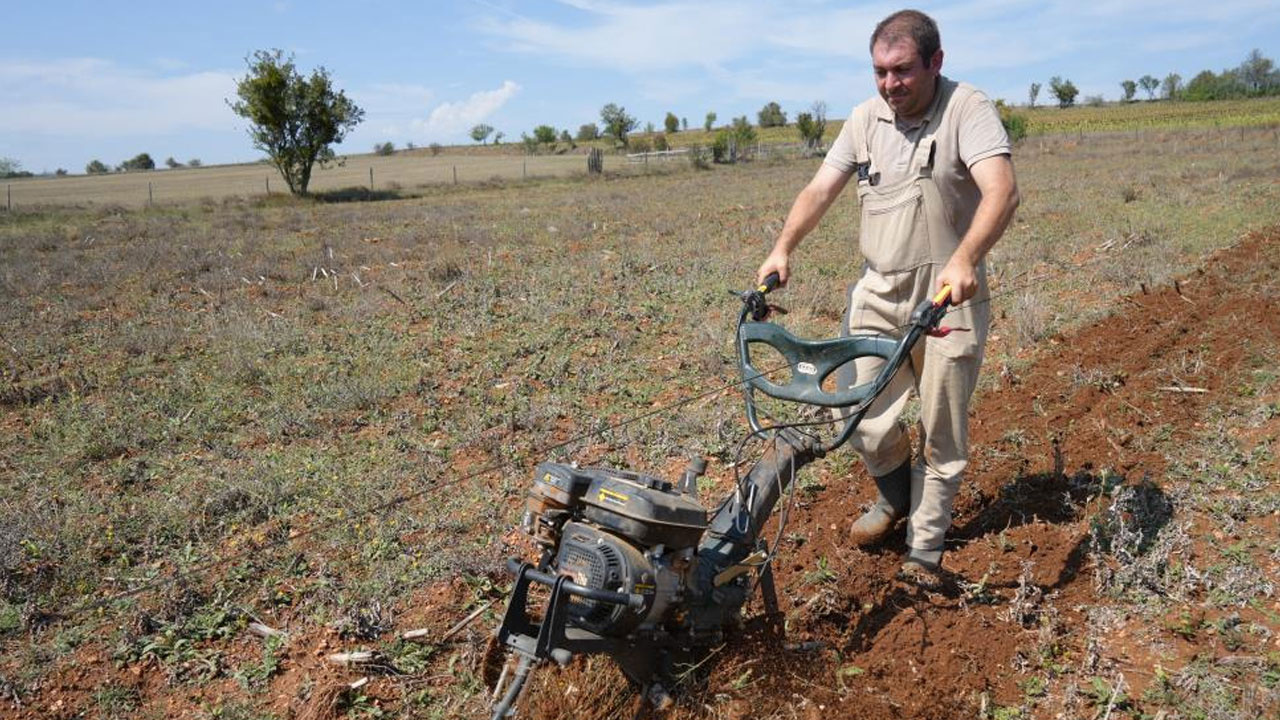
(858, 641)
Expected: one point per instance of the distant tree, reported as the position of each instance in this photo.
(530, 143)
(649, 128)
(617, 123)
(661, 143)
(194, 162)
(1257, 73)
(567, 139)
(771, 115)
(96, 167)
(9, 166)
(141, 161)
(497, 137)
(409, 145)
(1033, 93)
(435, 148)
(293, 119)
(384, 149)
(1064, 91)
(545, 135)
(60, 172)
(709, 122)
(172, 164)
(481, 132)
(1208, 85)
(588, 132)
(812, 125)
(671, 123)
(684, 123)
(1094, 100)
(1171, 88)
(1150, 85)
(1129, 87)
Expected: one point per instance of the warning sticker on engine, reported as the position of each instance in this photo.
(615, 498)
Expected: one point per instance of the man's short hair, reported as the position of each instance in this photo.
(909, 25)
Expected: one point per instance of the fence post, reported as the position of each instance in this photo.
(8, 188)
(524, 169)
(268, 184)
(371, 179)
(455, 174)
(149, 196)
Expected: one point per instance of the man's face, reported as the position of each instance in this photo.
(903, 79)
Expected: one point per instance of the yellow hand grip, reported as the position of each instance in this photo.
(941, 297)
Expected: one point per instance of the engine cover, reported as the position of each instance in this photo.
(598, 559)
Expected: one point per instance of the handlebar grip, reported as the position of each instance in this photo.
(942, 297)
(770, 282)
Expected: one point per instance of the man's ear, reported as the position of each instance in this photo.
(935, 62)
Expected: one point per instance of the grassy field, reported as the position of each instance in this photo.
(227, 388)
(408, 172)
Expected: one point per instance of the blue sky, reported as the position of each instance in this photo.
(107, 80)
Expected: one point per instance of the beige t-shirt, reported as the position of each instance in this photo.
(968, 129)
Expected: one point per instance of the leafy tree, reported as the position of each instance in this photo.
(194, 162)
(1129, 87)
(648, 128)
(60, 172)
(481, 132)
(709, 122)
(530, 143)
(684, 123)
(172, 164)
(812, 125)
(588, 132)
(1207, 85)
(293, 119)
(1064, 91)
(545, 135)
(1257, 73)
(1171, 88)
(1033, 93)
(671, 123)
(497, 137)
(96, 167)
(1149, 84)
(9, 166)
(617, 123)
(661, 143)
(771, 115)
(141, 161)
(436, 147)
(384, 149)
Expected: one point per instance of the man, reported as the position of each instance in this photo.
(935, 180)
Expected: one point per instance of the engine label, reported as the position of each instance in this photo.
(614, 498)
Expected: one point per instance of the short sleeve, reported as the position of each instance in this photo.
(841, 155)
(981, 134)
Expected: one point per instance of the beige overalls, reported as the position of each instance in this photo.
(906, 240)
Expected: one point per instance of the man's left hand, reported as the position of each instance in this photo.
(962, 276)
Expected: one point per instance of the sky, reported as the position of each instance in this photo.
(107, 80)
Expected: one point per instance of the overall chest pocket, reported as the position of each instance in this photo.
(894, 234)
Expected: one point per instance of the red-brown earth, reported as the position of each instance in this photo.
(1048, 439)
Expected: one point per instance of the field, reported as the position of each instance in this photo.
(323, 416)
(409, 173)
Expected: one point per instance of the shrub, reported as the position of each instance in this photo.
(96, 167)
(436, 147)
(141, 161)
(194, 162)
(660, 143)
(771, 115)
(588, 132)
(384, 149)
(640, 144)
(1015, 124)
(671, 123)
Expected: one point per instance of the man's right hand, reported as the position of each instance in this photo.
(778, 261)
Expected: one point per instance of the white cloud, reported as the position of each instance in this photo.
(452, 118)
(87, 97)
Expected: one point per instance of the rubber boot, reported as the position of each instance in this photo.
(923, 568)
(892, 503)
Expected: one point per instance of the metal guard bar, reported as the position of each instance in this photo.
(633, 600)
